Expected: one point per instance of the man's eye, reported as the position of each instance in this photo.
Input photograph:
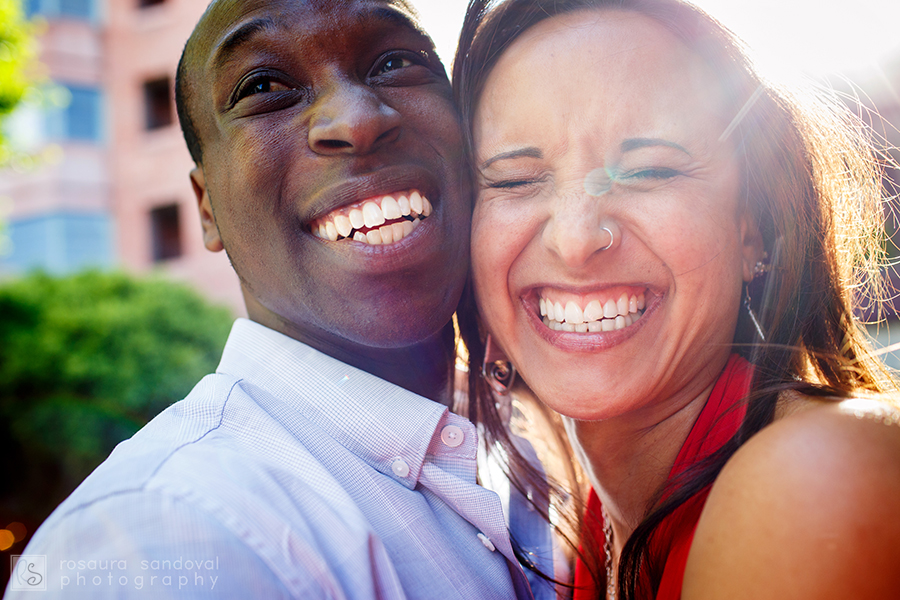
(394, 63)
(261, 86)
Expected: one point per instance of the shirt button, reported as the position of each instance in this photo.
(452, 436)
(487, 542)
(400, 468)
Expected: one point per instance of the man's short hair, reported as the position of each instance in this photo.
(182, 98)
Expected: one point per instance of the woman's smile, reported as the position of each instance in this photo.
(609, 310)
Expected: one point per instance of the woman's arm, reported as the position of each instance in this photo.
(808, 508)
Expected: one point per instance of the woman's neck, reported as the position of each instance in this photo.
(628, 458)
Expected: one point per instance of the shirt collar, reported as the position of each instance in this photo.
(378, 421)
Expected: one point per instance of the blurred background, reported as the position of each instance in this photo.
(110, 307)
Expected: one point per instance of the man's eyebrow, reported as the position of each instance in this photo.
(239, 37)
(529, 152)
(637, 143)
(392, 16)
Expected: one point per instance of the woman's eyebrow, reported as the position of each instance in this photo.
(637, 143)
(529, 152)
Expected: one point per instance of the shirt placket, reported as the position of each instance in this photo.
(451, 458)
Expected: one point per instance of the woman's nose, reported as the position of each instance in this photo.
(578, 229)
(350, 118)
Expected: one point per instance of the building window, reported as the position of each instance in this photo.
(59, 243)
(77, 9)
(166, 232)
(81, 117)
(83, 114)
(158, 103)
(83, 9)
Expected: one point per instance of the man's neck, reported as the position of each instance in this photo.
(423, 368)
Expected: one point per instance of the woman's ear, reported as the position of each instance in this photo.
(211, 238)
(752, 247)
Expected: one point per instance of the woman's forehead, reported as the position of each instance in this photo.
(609, 38)
(594, 54)
(585, 84)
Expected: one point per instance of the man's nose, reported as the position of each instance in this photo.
(578, 228)
(350, 118)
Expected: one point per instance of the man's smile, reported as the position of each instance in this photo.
(378, 220)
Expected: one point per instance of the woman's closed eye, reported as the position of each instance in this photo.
(646, 173)
(505, 184)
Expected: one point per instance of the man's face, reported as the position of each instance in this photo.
(311, 113)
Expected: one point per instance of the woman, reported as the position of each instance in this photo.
(648, 208)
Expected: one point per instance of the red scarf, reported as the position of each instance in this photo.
(671, 541)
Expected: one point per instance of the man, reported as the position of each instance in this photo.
(320, 461)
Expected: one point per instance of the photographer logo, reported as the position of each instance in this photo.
(28, 572)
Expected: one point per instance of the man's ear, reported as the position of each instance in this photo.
(211, 238)
(751, 245)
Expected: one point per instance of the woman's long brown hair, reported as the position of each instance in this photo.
(811, 177)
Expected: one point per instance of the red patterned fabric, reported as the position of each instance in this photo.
(671, 542)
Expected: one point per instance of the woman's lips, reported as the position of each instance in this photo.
(609, 310)
(607, 317)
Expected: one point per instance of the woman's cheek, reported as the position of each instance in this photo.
(485, 257)
(492, 259)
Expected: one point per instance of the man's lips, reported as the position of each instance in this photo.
(381, 219)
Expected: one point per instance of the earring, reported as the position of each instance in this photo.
(750, 312)
(499, 373)
(496, 369)
(761, 268)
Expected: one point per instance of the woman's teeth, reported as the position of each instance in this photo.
(610, 315)
(369, 222)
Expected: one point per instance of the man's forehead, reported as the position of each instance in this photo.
(224, 15)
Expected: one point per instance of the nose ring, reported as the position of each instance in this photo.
(611, 238)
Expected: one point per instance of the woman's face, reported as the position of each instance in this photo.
(609, 242)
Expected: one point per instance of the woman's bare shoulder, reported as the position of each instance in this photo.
(807, 508)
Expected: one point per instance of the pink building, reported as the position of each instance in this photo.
(120, 195)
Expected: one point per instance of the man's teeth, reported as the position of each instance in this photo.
(342, 225)
(372, 215)
(596, 316)
(406, 210)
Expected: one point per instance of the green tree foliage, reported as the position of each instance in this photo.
(18, 75)
(85, 361)
(17, 55)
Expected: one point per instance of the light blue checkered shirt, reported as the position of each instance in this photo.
(287, 474)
